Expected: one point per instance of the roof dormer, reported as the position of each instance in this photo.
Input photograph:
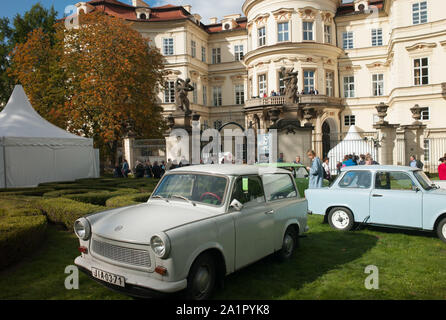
(230, 22)
(361, 5)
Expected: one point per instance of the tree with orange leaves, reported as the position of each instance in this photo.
(94, 80)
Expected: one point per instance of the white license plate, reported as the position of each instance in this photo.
(108, 277)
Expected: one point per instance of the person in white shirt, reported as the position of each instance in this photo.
(325, 165)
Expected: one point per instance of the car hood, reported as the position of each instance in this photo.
(441, 192)
(137, 224)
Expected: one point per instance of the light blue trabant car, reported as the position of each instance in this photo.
(392, 196)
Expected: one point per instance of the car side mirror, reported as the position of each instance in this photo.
(416, 189)
(236, 205)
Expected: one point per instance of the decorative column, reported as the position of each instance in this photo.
(387, 137)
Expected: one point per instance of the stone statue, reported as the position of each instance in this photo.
(290, 81)
(182, 88)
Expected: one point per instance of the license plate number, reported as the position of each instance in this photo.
(108, 277)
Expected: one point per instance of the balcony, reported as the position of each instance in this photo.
(322, 100)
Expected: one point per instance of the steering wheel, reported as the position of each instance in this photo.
(210, 194)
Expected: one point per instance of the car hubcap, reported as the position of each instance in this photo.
(201, 281)
(444, 230)
(288, 243)
(340, 219)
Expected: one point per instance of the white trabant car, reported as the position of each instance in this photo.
(200, 224)
(391, 196)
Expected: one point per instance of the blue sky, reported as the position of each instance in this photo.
(206, 8)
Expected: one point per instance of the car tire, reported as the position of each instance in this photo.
(289, 244)
(202, 278)
(441, 230)
(341, 219)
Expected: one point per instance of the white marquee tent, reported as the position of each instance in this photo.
(352, 144)
(34, 151)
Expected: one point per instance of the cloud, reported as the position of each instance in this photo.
(207, 8)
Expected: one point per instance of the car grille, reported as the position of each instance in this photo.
(131, 256)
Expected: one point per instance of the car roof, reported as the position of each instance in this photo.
(229, 169)
(282, 165)
(380, 168)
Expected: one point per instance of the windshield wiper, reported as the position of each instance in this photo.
(160, 197)
(183, 198)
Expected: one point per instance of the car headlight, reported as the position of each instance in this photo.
(82, 228)
(160, 245)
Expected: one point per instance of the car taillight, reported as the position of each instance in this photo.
(83, 250)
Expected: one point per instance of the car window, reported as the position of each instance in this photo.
(248, 190)
(356, 180)
(301, 173)
(199, 188)
(393, 181)
(278, 186)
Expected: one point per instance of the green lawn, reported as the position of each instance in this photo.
(328, 265)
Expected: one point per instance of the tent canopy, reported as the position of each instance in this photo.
(34, 151)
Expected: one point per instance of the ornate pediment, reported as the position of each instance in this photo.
(327, 16)
(443, 43)
(377, 65)
(307, 13)
(421, 46)
(194, 74)
(350, 68)
(261, 19)
(172, 74)
(238, 77)
(283, 14)
(216, 79)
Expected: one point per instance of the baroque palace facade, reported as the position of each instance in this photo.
(356, 55)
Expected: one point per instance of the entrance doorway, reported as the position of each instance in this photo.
(326, 139)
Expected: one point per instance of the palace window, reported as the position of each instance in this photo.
(349, 120)
(349, 87)
(329, 83)
(216, 96)
(378, 84)
(239, 94)
(327, 33)
(283, 32)
(308, 81)
(377, 37)
(169, 92)
(281, 83)
(168, 46)
(308, 30)
(347, 40)
(262, 36)
(419, 12)
(205, 95)
(425, 114)
(216, 55)
(238, 50)
(203, 54)
(262, 86)
(421, 71)
(195, 93)
(193, 46)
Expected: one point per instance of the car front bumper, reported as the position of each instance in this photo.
(138, 283)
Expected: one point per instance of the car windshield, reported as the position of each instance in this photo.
(425, 182)
(195, 188)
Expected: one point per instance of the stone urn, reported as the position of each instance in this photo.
(382, 112)
(416, 113)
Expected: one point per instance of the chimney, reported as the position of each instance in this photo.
(213, 20)
(188, 8)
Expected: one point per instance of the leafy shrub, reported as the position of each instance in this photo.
(66, 211)
(99, 198)
(127, 200)
(19, 235)
(63, 192)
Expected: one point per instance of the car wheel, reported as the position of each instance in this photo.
(289, 244)
(441, 230)
(341, 219)
(201, 279)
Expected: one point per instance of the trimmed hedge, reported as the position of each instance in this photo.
(99, 198)
(65, 211)
(127, 200)
(19, 235)
(63, 192)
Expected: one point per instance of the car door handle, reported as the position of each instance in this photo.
(269, 212)
(377, 196)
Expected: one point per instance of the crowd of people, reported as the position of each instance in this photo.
(145, 169)
(281, 93)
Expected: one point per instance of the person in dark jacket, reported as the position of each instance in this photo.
(117, 173)
(156, 169)
(139, 170)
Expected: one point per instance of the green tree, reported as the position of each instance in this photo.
(16, 33)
